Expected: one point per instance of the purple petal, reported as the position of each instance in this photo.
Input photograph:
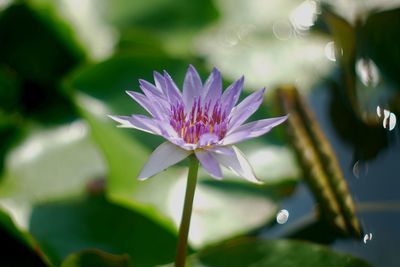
(172, 91)
(157, 99)
(252, 129)
(150, 90)
(231, 94)
(246, 108)
(192, 86)
(213, 86)
(139, 122)
(167, 130)
(159, 80)
(165, 155)
(225, 150)
(237, 162)
(144, 102)
(207, 139)
(209, 163)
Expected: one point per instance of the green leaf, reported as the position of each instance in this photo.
(19, 249)
(271, 253)
(382, 46)
(67, 227)
(51, 163)
(7, 224)
(174, 23)
(24, 30)
(161, 15)
(37, 50)
(9, 89)
(95, 257)
(124, 157)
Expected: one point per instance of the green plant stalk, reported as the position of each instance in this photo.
(187, 212)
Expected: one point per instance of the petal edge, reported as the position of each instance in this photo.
(164, 156)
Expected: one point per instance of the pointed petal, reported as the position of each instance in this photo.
(124, 120)
(252, 129)
(165, 155)
(172, 91)
(159, 81)
(150, 90)
(231, 94)
(192, 86)
(213, 86)
(209, 163)
(158, 100)
(246, 108)
(237, 162)
(144, 102)
(139, 122)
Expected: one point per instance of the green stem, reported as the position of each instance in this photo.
(187, 212)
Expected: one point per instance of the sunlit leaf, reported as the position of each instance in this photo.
(50, 164)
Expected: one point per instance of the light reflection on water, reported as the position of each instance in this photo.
(282, 217)
(368, 72)
(367, 237)
(389, 118)
(330, 51)
(360, 169)
(303, 17)
(282, 30)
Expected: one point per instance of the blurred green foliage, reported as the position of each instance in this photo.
(68, 190)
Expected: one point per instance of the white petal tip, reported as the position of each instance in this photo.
(219, 178)
(257, 181)
(141, 178)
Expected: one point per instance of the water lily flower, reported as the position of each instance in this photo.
(202, 119)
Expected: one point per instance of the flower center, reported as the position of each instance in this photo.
(199, 120)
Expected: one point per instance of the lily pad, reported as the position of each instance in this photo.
(265, 253)
(66, 227)
(50, 164)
